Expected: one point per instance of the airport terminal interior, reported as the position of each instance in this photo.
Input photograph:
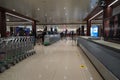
(59, 39)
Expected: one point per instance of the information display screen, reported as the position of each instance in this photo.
(94, 31)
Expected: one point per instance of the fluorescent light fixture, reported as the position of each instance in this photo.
(112, 3)
(18, 17)
(96, 15)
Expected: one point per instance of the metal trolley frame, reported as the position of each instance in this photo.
(15, 49)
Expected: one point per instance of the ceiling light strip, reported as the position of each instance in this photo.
(18, 17)
(96, 15)
(112, 3)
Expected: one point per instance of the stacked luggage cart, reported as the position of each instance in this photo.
(15, 49)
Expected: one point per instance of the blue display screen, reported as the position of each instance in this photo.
(94, 31)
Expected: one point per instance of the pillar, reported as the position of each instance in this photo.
(79, 32)
(2, 23)
(107, 12)
(88, 27)
(82, 30)
(34, 28)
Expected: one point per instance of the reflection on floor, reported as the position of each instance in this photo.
(62, 60)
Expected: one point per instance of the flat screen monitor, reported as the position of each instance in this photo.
(94, 31)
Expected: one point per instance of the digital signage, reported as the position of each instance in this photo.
(94, 31)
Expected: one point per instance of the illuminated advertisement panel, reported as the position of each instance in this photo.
(94, 31)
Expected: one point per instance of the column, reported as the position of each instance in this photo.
(2, 24)
(107, 12)
(88, 27)
(79, 32)
(34, 28)
(82, 30)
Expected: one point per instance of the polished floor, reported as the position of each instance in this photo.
(62, 60)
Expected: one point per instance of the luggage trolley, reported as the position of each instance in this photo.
(32, 45)
(29, 46)
(21, 48)
(2, 54)
(24, 46)
(17, 49)
(5, 54)
(14, 50)
(9, 52)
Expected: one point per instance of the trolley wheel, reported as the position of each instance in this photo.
(34, 52)
(14, 62)
(30, 53)
(8, 66)
(2, 69)
(20, 58)
(23, 57)
(26, 56)
(17, 60)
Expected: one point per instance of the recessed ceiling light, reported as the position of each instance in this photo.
(92, 7)
(66, 14)
(26, 14)
(64, 8)
(8, 19)
(46, 14)
(86, 13)
(38, 9)
(50, 17)
(13, 9)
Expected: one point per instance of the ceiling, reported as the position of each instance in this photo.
(50, 11)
